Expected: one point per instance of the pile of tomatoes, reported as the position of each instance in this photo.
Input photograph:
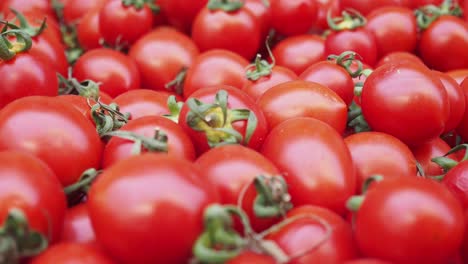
(234, 131)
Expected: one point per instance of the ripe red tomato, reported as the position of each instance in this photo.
(464, 250)
(84, 104)
(27, 6)
(293, 17)
(181, 13)
(318, 166)
(419, 3)
(215, 67)
(415, 206)
(53, 131)
(160, 196)
(426, 152)
(64, 253)
(456, 180)
(407, 101)
(116, 72)
(161, 55)
(262, 13)
(366, 6)
(299, 52)
(75, 10)
(462, 128)
(52, 50)
(77, 226)
(325, 6)
(141, 102)
(303, 99)
(278, 75)
(397, 57)
(249, 257)
(88, 31)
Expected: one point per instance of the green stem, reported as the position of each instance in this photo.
(225, 5)
(177, 85)
(157, 143)
(349, 20)
(174, 109)
(273, 199)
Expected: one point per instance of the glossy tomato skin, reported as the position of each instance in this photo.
(215, 67)
(278, 75)
(443, 45)
(26, 6)
(456, 180)
(367, 6)
(37, 78)
(52, 50)
(237, 99)
(419, 3)
(407, 101)
(75, 10)
(462, 128)
(332, 76)
(306, 231)
(181, 13)
(161, 54)
(391, 36)
(179, 143)
(458, 75)
(299, 52)
(415, 206)
(88, 31)
(65, 253)
(464, 250)
(54, 132)
(303, 99)
(376, 153)
(41, 198)
(116, 72)
(456, 101)
(325, 6)
(426, 152)
(142, 102)
(293, 17)
(77, 226)
(315, 161)
(367, 261)
(84, 104)
(166, 208)
(262, 14)
(397, 57)
(359, 40)
(249, 257)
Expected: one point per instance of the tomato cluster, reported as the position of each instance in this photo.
(234, 131)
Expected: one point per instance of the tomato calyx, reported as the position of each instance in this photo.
(225, 5)
(273, 199)
(139, 4)
(426, 15)
(77, 191)
(350, 19)
(346, 59)
(23, 42)
(17, 240)
(261, 68)
(107, 118)
(354, 203)
(26, 27)
(216, 119)
(86, 88)
(174, 109)
(157, 143)
(177, 84)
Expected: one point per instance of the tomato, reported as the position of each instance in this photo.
(367, 6)
(399, 56)
(52, 50)
(116, 72)
(376, 153)
(81, 103)
(161, 55)
(75, 10)
(141, 102)
(464, 249)
(462, 128)
(26, 6)
(419, 3)
(277, 76)
(456, 180)
(88, 31)
(407, 101)
(367, 261)
(391, 36)
(181, 13)
(262, 13)
(26, 183)
(237, 31)
(306, 231)
(54, 132)
(115, 18)
(318, 166)
(293, 17)
(64, 253)
(160, 196)
(332, 76)
(443, 44)
(299, 52)
(215, 67)
(77, 226)
(35, 18)
(237, 99)
(325, 6)
(458, 75)
(415, 206)
(432, 149)
(248, 257)
(303, 99)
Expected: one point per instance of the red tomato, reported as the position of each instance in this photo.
(237, 31)
(262, 13)
(456, 180)
(317, 164)
(415, 205)
(278, 75)
(426, 152)
(419, 3)
(35, 18)
(464, 250)
(444, 44)
(458, 75)
(52, 50)
(332, 76)
(293, 17)
(406, 101)
(160, 196)
(231, 169)
(65, 253)
(54, 132)
(181, 13)
(366, 6)
(376, 153)
(26, 6)
(88, 31)
(116, 72)
(367, 261)
(75, 10)
(462, 128)
(399, 56)
(303, 99)
(115, 19)
(215, 67)
(26, 183)
(179, 144)
(391, 36)
(141, 102)
(161, 55)
(82, 105)
(325, 6)
(249, 257)
(77, 226)
(299, 52)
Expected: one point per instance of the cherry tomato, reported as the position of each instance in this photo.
(366, 6)
(116, 72)
(141, 102)
(52, 50)
(53, 131)
(426, 152)
(75, 10)
(181, 13)
(462, 128)
(318, 166)
(278, 75)
(64, 253)
(399, 56)
(262, 13)
(88, 31)
(160, 201)
(456, 180)
(77, 226)
(249, 257)
(293, 17)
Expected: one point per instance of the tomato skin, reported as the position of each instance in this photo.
(77, 226)
(391, 36)
(52, 50)
(293, 17)
(303, 99)
(161, 54)
(64, 253)
(464, 250)
(45, 126)
(88, 30)
(262, 14)
(232, 168)
(75, 10)
(458, 75)
(215, 67)
(26, 6)
(299, 52)
(398, 57)
(179, 143)
(456, 181)
(278, 75)
(318, 166)
(116, 72)
(141, 102)
(167, 225)
(37, 78)
(443, 45)
(367, 261)
(400, 99)
(181, 13)
(41, 198)
(82, 105)
(427, 151)
(359, 40)
(332, 76)
(367, 6)
(462, 128)
(419, 3)
(456, 101)
(249, 257)
(305, 232)
(376, 153)
(325, 6)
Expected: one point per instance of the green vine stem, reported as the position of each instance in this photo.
(174, 109)
(354, 203)
(346, 60)
(225, 5)
(177, 85)
(26, 27)
(426, 15)
(157, 143)
(107, 118)
(261, 68)
(350, 19)
(77, 191)
(448, 163)
(86, 88)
